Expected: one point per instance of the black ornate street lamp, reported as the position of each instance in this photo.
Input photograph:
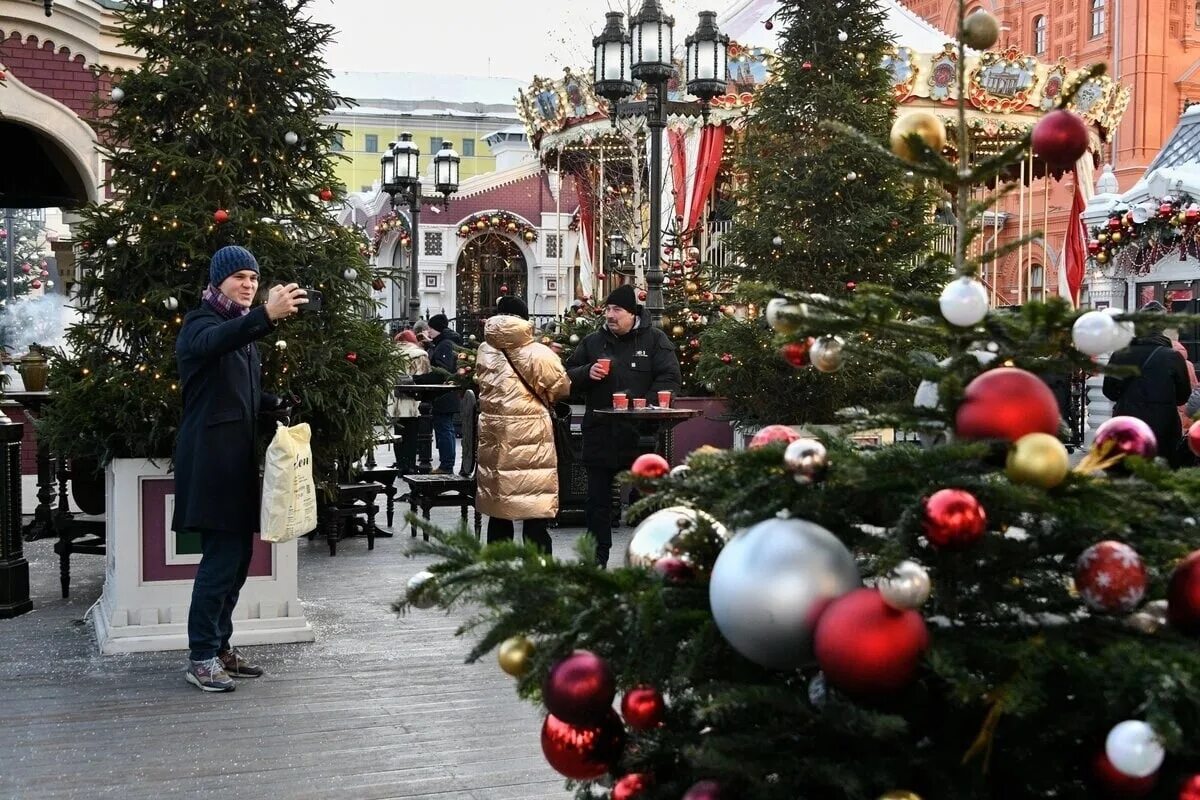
(400, 177)
(644, 54)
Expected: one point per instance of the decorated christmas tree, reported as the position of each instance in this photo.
(29, 251)
(818, 211)
(215, 139)
(816, 618)
(692, 300)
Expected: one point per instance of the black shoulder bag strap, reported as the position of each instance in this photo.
(559, 425)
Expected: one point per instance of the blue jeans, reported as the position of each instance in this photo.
(224, 564)
(443, 434)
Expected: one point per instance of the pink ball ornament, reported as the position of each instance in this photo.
(579, 689)
(1127, 435)
(1111, 577)
(772, 434)
(704, 790)
(26, 268)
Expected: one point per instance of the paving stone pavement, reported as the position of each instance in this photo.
(377, 707)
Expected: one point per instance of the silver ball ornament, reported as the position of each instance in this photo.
(782, 315)
(964, 302)
(111, 242)
(117, 94)
(171, 303)
(662, 534)
(851, 175)
(806, 459)
(291, 137)
(426, 598)
(907, 587)
(281, 344)
(843, 36)
(573, 339)
(350, 274)
(769, 583)
(1095, 332)
(680, 471)
(777, 240)
(826, 353)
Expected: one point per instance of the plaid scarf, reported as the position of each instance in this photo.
(222, 304)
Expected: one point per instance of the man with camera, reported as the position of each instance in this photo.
(216, 461)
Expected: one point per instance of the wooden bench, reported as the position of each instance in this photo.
(429, 491)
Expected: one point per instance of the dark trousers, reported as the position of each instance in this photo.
(533, 531)
(224, 563)
(406, 448)
(443, 434)
(598, 512)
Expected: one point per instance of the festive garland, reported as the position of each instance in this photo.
(497, 221)
(1157, 226)
(388, 223)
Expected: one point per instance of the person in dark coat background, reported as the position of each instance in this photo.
(1156, 392)
(445, 406)
(643, 363)
(216, 463)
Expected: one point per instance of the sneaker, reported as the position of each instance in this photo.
(209, 675)
(236, 665)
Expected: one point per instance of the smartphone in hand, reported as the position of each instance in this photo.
(314, 301)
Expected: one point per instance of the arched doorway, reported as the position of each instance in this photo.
(485, 264)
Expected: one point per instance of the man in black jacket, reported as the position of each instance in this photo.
(1155, 393)
(216, 463)
(445, 406)
(642, 363)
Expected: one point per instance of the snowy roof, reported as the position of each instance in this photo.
(744, 19)
(427, 89)
(1176, 169)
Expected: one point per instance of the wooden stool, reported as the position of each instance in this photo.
(354, 500)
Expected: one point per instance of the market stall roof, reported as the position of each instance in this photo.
(743, 22)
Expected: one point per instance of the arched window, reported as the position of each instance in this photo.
(1037, 282)
(1098, 12)
(1039, 35)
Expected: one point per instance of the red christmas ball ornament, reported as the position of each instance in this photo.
(643, 706)
(1110, 577)
(851, 285)
(726, 358)
(579, 689)
(220, 216)
(1060, 138)
(1093, 248)
(631, 786)
(326, 194)
(1191, 216)
(1183, 595)
(641, 295)
(352, 357)
(768, 25)
(504, 288)
(704, 790)
(650, 465)
(673, 569)
(1191, 788)
(866, 647)
(1165, 210)
(26, 268)
(953, 518)
(1006, 403)
(35, 284)
(693, 342)
(795, 353)
(772, 434)
(1110, 782)
(583, 752)
(806, 65)
(1114, 223)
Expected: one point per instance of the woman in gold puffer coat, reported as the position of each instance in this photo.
(516, 472)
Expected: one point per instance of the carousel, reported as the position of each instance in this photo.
(1008, 92)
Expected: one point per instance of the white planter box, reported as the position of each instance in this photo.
(149, 571)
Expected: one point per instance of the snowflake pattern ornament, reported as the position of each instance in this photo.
(1111, 578)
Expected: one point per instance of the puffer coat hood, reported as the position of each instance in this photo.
(517, 470)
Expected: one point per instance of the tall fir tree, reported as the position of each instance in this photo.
(818, 211)
(215, 139)
(817, 618)
(29, 248)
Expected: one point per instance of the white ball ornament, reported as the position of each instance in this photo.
(111, 242)
(117, 94)
(1094, 333)
(1125, 330)
(426, 600)
(171, 303)
(843, 36)
(964, 302)
(291, 137)
(281, 345)
(777, 240)
(350, 274)
(1133, 749)
(907, 587)
(776, 308)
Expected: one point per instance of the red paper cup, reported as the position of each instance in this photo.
(664, 399)
(605, 364)
(639, 403)
(620, 401)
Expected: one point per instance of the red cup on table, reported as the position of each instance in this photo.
(639, 403)
(605, 364)
(664, 399)
(620, 401)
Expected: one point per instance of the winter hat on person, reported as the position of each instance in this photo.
(623, 297)
(439, 322)
(229, 260)
(513, 306)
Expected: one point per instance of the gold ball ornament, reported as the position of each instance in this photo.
(980, 30)
(1102, 257)
(925, 125)
(514, 655)
(899, 794)
(678, 330)
(1115, 236)
(826, 353)
(1038, 459)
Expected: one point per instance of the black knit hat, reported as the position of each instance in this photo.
(624, 297)
(228, 260)
(513, 306)
(439, 322)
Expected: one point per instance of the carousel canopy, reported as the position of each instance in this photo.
(743, 22)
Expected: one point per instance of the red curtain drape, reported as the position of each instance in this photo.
(678, 149)
(708, 164)
(1074, 255)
